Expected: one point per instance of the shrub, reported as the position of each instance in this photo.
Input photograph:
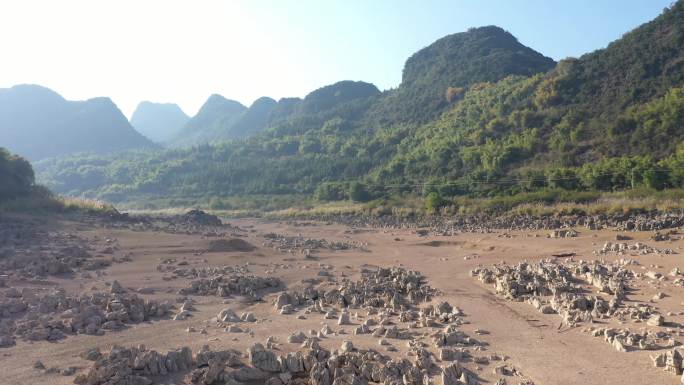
(358, 192)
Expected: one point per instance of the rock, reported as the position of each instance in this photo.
(92, 354)
(68, 371)
(6, 341)
(228, 315)
(116, 288)
(296, 338)
(287, 309)
(618, 345)
(263, 359)
(346, 347)
(182, 315)
(320, 375)
(344, 319)
(656, 320)
(230, 245)
(451, 374)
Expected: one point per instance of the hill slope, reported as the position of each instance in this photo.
(37, 123)
(158, 121)
(436, 75)
(213, 118)
(221, 119)
(588, 123)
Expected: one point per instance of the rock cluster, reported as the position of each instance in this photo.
(138, 366)
(201, 218)
(670, 361)
(649, 221)
(636, 248)
(233, 284)
(553, 287)
(395, 288)
(312, 365)
(192, 222)
(299, 244)
(624, 340)
(563, 233)
(54, 315)
(29, 251)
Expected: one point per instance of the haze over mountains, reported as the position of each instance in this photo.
(37, 123)
(222, 119)
(158, 121)
(472, 106)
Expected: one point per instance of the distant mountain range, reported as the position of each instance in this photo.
(221, 119)
(476, 113)
(37, 123)
(158, 121)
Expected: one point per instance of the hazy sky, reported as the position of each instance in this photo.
(183, 51)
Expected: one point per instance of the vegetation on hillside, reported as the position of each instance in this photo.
(16, 175)
(20, 193)
(610, 120)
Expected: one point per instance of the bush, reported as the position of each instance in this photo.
(433, 202)
(16, 176)
(358, 192)
(331, 191)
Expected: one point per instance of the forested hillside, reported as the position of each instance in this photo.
(37, 123)
(476, 113)
(16, 176)
(221, 119)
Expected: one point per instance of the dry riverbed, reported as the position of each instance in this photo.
(256, 301)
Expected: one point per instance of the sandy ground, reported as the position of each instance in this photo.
(547, 354)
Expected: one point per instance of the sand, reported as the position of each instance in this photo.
(545, 353)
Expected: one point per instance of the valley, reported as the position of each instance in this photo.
(156, 260)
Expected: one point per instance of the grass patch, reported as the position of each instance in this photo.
(43, 202)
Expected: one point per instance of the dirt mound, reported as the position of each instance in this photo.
(441, 243)
(202, 218)
(233, 244)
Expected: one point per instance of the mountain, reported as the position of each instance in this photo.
(476, 114)
(158, 121)
(253, 120)
(221, 119)
(215, 115)
(452, 64)
(36, 122)
(328, 97)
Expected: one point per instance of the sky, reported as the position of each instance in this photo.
(183, 51)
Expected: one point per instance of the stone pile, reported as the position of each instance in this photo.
(563, 233)
(171, 265)
(624, 340)
(226, 285)
(54, 315)
(670, 361)
(552, 287)
(299, 244)
(200, 218)
(348, 365)
(635, 248)
(28, 251)
(192, 222)
(140, 366)
(395, 288)
(311, 365)
(435, 225)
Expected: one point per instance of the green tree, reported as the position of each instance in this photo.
(433, 202)
(16, 175)
(358, 192)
